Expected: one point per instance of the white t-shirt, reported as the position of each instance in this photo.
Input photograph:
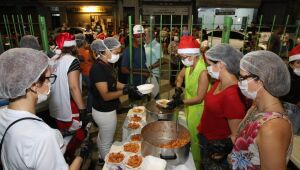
(29, 144)
(154, 57)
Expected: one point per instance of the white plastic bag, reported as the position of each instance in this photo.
(152, 80)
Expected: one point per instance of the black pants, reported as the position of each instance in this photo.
(210, 149)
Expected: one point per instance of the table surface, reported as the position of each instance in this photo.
(117, 146)
(295, 157)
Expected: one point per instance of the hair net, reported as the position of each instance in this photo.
(270, 69)
(29, 41)
(19, 69)
(227, 54)
(80, 40)
(111, 43)
(97, 46)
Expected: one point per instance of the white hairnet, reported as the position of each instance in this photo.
(97, 46)
(80, 39)
(270, 69)
(227, 54)
(19, 69)
(111, 43)
(29, 41)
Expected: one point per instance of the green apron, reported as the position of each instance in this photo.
(194, 112)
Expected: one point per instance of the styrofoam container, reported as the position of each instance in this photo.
(145, 88)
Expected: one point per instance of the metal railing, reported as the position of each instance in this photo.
(14, 27)
(293, 30)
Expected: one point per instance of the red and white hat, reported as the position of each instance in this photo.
(294, 54)
(65, 40)
(188, 45)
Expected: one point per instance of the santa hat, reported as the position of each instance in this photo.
(65, 40)
(294, 54)
(188, 45)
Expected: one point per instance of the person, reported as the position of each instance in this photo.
(153, 57)
(274, 40)
(294, 69)
(292, 99)
(89, 33)
(176, 66)
(29, 143)
(287, 45)
(196, 85)
(66, 104)
(139, 69)
(263, 78)
(106, 91)
(223, 107)
(29, 41)
(86, 62)
(297, 40)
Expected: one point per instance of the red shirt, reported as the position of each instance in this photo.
(218, 108)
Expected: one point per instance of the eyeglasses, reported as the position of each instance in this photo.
(52, 78)
(241, 78)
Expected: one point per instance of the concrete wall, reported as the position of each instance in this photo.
(208, 15)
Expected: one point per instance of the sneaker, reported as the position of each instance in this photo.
(101, 162)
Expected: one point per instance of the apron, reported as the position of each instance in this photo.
(194, 112)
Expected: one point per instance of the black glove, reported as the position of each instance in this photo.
(84, 117)
(85, 147)
(178, 92)
(127, 88)
(136, 93)
(174, 103)
(132, 91)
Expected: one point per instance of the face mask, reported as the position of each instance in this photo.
(114, 58)
(297, 71)
(43, 97)
(176, 38)
(187, 62)
(243, 85)
(213, 74)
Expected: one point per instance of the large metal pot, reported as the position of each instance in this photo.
(161, 132)
(154, 112)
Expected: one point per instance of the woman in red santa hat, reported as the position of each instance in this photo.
(66, 104)
(294, 67)
(291, 101)
(196, 85)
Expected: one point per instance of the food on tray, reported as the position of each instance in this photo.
(131, 147)
(115, 158)
(134, 161)
(162, 103)
(136, 137)
(137, 110)
(134, 125)
(182, 140)
(135, 118)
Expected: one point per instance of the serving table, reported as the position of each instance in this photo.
(117, 146)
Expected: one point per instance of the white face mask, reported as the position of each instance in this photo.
(187, 62)
(43, 97)
(243, 85)
(176, 38)
(213, 74)
(114, 58)
(297, 71)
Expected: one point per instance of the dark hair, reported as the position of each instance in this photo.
(69, 50)
(42, 78)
